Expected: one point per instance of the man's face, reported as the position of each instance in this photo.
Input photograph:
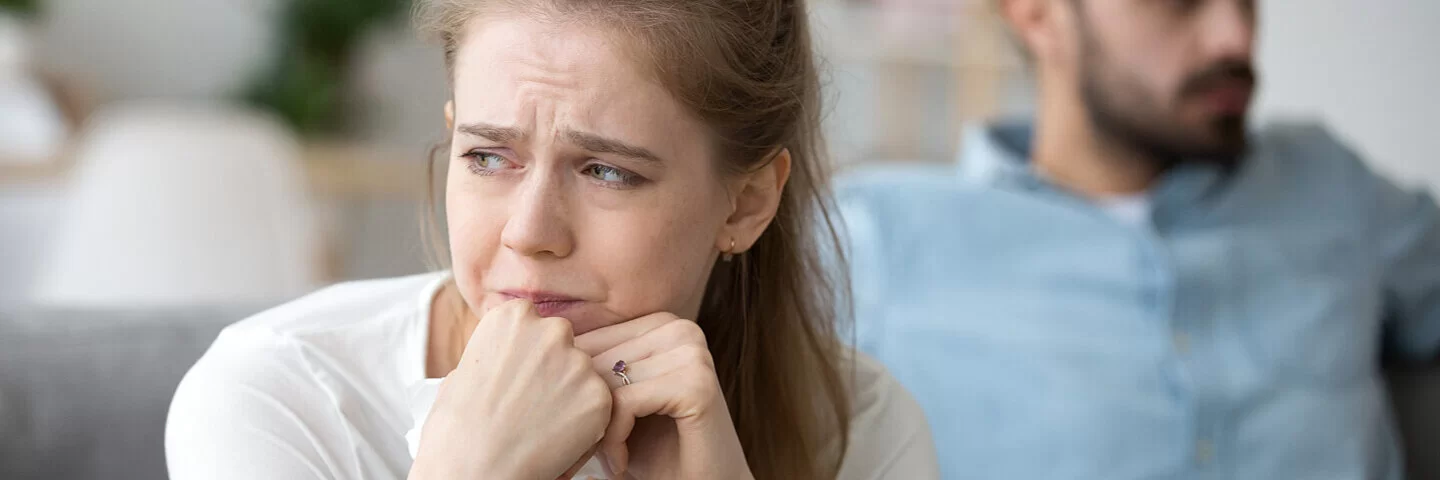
(1171, 78)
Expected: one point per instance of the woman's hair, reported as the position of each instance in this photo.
(746, 69)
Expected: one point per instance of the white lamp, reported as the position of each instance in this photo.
(123, 49)
(178, 205)
(32, 128)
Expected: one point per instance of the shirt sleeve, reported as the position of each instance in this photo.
(251, 409)
(889, 437)
(1410, 257)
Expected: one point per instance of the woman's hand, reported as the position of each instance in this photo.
(523, 403)
(673, 416)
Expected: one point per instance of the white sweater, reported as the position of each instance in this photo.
(332, 386)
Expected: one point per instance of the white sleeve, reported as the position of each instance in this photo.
(250, 408)
(889, 436)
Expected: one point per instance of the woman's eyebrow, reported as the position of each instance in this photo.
(588, 141)
(494, 133)
(599, 144)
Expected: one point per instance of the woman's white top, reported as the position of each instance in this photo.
(332, 386)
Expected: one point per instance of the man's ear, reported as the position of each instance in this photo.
(1033, 23)
(756, 198)
(449, 115)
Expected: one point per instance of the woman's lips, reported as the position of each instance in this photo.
(547, 304)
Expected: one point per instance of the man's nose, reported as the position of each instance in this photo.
(1228, 30)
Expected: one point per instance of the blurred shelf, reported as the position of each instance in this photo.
(964, 37)
(27, 171)
(344, 169)
(335, 169)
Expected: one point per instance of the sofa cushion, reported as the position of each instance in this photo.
(84, 394)
(1415, 392)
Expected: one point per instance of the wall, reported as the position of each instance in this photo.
(1369, 68)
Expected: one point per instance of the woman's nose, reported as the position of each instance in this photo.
(538, 224)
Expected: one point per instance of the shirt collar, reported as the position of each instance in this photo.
(999, 154)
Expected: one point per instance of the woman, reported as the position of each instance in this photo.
(615, 169)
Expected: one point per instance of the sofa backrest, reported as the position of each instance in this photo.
(84, 394)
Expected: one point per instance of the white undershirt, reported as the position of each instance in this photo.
(1131, 210)
(331, 385)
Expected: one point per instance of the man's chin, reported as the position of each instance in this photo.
(1228, 141)
(1220, 140)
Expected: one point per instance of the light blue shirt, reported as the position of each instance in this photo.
(1235, 335)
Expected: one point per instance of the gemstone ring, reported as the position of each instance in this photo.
(620, 370)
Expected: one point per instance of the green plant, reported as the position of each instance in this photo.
(317, 41)
(23, 7)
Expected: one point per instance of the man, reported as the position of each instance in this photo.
(1137, 285)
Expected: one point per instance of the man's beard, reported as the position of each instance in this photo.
(1122, 110)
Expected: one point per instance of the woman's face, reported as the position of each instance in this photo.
(576, 181)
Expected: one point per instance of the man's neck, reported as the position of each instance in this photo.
(1070, 152)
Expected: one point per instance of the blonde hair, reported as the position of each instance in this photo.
(746, 69)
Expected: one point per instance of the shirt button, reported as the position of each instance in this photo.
(1204, 451)
(1181, 342)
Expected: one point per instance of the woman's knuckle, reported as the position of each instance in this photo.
(693, 332)
(703, 387)
(597, 390)
(578, 360)
(557, 330)
(514, 310)
(684, 331)
(695, 354)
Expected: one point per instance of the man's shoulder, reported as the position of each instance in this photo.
(899, 207)
(906, 191)
(1306, 146)
(1309, 167)
(895, 180)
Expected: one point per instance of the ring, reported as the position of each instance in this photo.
(620, 369)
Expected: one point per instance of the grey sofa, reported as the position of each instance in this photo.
(83, 395)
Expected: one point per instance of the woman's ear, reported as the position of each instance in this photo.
(449, 115)
(756, 198)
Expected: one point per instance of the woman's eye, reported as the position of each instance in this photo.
(612, 175)
(484, 163)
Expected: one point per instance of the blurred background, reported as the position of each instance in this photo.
(161, 152)
(168, 167)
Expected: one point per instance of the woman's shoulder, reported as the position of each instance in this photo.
(344, 305)
(352, 330)
(889, 436)
(347, 325)
(286, 383)
(874, 389)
